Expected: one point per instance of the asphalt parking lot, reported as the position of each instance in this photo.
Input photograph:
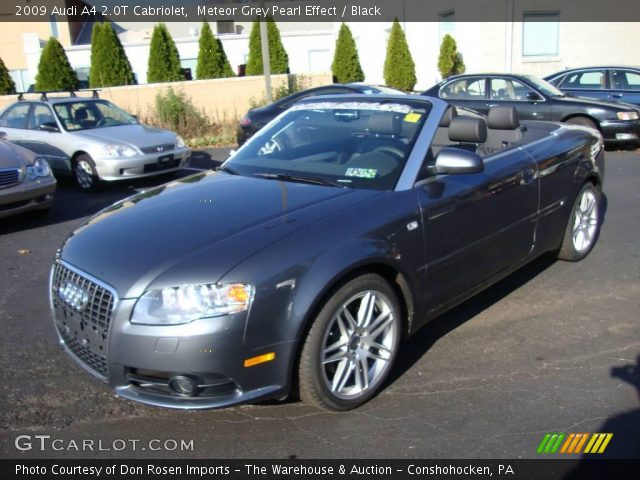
(553, 348)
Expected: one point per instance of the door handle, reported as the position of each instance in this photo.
(527, 176)
(616, 95)
(491, 105)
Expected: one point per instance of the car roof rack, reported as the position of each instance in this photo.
(71, 92)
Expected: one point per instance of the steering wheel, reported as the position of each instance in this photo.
(271, 146)
(392, 151)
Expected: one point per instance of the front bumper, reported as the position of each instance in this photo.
(140, 360)
(27, 196)
(110, 169)
(622, 133)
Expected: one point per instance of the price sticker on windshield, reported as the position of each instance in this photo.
(361, 172)
(412, 117)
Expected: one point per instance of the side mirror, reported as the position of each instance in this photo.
(50, 127)
(533, 97)
(3, 137)
(453, 160)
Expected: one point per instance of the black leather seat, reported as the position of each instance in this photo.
(503, 129)
(468, 132)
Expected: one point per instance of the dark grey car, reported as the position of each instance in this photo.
(343, 226)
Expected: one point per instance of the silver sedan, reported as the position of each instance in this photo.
(92, 140)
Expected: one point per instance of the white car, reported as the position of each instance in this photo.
(92, 139)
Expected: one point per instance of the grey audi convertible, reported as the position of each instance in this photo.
(340, 228)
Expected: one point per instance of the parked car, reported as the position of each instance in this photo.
(26, 182)
(346, 225)
(92, 139)
(620, 84)
(257, 118)
(536, 99)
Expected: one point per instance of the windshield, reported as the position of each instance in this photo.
(543, 86)
(89, 114)
(361, 143)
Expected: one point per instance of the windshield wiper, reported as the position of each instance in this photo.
(227, 169)
(299, 178)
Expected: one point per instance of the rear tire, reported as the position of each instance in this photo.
(583, 226)
(350, 349)
(582, 121)
(84, 173)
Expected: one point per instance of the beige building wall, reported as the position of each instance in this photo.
(228, 98)
(12, 50)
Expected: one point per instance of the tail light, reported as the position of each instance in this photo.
(245, 121)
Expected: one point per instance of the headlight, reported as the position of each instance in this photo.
(180, 142)
(627, 115)
(118, 151)
(39, 169)
(184, 304)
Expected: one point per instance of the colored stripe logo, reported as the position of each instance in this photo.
(574, 443)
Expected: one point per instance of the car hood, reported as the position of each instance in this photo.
(196, 229)
(136, 134)
(12, 156)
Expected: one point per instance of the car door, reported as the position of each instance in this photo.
(468, 92)
(590, 83)
(477, 225)
(625, 86)
(506, 91)
(14, 122)
(45, 136)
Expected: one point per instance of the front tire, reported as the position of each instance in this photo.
(351, 346)
(84, 173)
(583, 226)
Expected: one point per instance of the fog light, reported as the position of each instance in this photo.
(183, 385)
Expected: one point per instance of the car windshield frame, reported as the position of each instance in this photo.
(63, 113)
(345, 141)
(543, 86)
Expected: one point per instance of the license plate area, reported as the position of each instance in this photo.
(73, 326)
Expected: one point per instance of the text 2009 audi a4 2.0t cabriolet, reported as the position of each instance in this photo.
(343, 226)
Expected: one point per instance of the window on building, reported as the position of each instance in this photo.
(540, 34)
(189, 68)
(53, 26)
(21, 79)
(447, 23)
(225, 26)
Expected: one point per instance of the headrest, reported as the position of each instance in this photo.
(81, 114)
(451, 112)
(468, 130)
(385, 123)
(503, 118)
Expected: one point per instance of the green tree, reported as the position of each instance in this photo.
(7, 86)
(164, 59)
(450, 60)
(212, 59)
(346, 64)
(278, 57)
(109, 63)
(54, 69)
(399, 69)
